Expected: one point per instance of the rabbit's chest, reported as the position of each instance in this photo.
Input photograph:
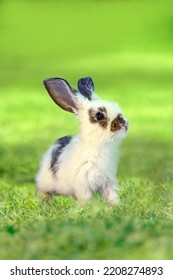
(94, 172)
(93, 176)
(90, 168)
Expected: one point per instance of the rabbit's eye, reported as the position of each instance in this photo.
(100, 116)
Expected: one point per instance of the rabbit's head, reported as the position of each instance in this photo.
(100, 120)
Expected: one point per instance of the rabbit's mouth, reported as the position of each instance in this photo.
(119, 123)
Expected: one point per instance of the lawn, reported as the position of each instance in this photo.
(127, 47)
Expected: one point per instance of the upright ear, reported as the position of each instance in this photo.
(86, 87)
(61, 93)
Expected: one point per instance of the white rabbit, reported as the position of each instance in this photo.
(86, 163)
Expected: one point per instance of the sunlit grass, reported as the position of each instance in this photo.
(62, 230)
(126, 46)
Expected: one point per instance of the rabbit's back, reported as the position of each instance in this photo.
(46, 178)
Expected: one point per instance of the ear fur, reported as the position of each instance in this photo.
(86, 87)
(61, 93)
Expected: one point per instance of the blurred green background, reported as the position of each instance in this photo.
(126, 46)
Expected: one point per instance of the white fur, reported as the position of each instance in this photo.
(89, 162)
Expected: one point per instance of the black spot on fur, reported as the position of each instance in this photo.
(103, 110)
(60, 144)
(93, 117)
(118, 123)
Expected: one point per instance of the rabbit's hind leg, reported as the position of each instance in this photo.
(46, 196)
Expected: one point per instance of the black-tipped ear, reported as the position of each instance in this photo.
(61, 93)
(86, 87)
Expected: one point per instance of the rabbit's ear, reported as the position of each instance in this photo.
(61, 93)
(86, 87)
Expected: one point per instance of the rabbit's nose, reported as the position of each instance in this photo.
(126, 125)
(123, 122)
(120, 120)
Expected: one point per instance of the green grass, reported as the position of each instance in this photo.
(126, 46)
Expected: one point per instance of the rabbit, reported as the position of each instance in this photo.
(86, 163)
